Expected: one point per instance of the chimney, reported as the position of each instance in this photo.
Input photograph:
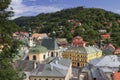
(35, 65)
(56, 62)
(51, 67)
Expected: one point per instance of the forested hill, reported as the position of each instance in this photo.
(80, 21)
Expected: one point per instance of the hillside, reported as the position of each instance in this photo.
(80, 21)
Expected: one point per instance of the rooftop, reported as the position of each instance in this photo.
(84, 49)
(50, 44)
(38, 49)
(106, 61)
(56, 68)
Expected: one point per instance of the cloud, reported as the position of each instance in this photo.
(117, 11)
(21, 9)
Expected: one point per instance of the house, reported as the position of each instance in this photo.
(108, 49)
(80, 56)
(116, 76)
(107, 64)
(55, 69)
(61, 41)
(117, 51)
(78, 41)
(58, 69)
(39, 36)
(105, 36)
(25, 66)
(92, 74)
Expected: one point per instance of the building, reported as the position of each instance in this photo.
(52, 47)
(108, 49)
(116, 76)
(78, 41)
(80, 56)
(38, 53)
(108, 64)
(117, 51)
(92, 74)
(105, 36)
(62, 42)
(38, 36)
(55, 69)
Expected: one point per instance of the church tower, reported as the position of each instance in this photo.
(30, 40)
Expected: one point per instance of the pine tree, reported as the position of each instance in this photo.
(9, 50)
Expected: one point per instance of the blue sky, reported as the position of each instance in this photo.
(34, 7)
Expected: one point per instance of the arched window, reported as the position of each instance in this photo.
(43, 56)
(52, 54)
(34, 57)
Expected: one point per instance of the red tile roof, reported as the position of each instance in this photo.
(116, 76)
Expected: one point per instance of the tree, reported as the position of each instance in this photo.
(9, 51)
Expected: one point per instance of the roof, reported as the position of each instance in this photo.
(56, 68)
(84, 49)
(106, 61)
(116, 76)
(38, 49)
(61, 40)
(24, 65)
(50, 44)
(109, 49)
(36, 35)
(98, 74)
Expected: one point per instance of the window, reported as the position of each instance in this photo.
(43, 56)
(52, 55)
(34, 57)
(78, 64)
(57, 54)
(27, 58)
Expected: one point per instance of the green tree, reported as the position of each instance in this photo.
(9, 51)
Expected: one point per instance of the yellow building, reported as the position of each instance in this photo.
(38, 53)
(80, 56)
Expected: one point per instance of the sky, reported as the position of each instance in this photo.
(35, 7)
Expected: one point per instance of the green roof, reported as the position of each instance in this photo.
(84, 49)
(38, 49)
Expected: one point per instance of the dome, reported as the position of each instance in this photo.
(38, 49)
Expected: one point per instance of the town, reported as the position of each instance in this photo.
(49, 58)
(59, 40)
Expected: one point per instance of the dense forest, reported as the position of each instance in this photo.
(85, 22)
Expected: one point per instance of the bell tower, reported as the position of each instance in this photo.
(30, 43)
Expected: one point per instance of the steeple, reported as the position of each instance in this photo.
(53, 34)
(30, 43)
(30, 33)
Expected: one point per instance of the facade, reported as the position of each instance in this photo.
(80, 56)
(38, 53)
